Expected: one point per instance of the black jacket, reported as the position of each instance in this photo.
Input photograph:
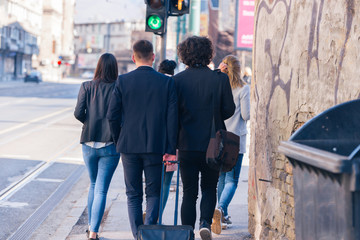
(195, 89)
(143, 112)
(91, 109)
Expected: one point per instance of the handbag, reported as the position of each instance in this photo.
(223, 149)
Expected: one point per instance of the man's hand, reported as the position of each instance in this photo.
(168, 157)
(170, 166)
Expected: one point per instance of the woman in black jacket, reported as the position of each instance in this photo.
(99, 152)
(204, 96)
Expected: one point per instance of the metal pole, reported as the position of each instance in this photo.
(107, 37)
(163, 47)
(163, 36)
(177, 37)
(183, 26)
(194, 18)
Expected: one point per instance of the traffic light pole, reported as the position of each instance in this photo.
(194, 18)
(164, 35)
(163, 47)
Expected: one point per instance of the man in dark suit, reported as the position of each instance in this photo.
(143, 118)
(204, 97)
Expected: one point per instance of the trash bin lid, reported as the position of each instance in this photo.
(335, 130)
(329, 141)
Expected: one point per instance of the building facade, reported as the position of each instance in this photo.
(93, 39)
(20, 27)
(56, 49)
(36, 34)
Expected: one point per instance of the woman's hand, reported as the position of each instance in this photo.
(223, 67)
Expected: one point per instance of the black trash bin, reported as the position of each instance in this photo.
(325, 154)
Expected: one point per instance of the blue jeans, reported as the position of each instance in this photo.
(227, 185)
(134, 165)
(166, 188)
(101, 164)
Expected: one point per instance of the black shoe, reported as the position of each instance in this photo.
(226, 220)
(205, 232)
(87, 233)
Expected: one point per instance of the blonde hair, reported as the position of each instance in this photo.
(233, 71)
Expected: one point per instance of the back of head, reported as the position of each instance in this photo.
(167, 67)
(106, 69)
(233, 71)
(195, 51)
(143, 50)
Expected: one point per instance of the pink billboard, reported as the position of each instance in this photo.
(244, 30)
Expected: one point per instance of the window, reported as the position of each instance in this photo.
(14, 33)
(214, 3)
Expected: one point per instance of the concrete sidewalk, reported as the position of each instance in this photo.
(115, 225)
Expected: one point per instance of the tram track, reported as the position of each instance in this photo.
(32, 174)
(59, 115)
(36, 176)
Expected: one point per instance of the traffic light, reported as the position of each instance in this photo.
(156, 16)
(179, 7)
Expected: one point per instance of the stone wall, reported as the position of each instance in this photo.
(306, 59)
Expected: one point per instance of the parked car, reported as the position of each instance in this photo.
(33, 76)
(87, 74)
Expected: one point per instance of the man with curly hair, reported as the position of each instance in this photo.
(203, 96)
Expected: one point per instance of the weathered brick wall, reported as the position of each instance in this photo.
(306, 59)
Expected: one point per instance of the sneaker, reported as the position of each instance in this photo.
(226, 220)
(216, 225)
(96, 238)
(205, 232)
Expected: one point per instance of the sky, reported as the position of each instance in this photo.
(109, 10)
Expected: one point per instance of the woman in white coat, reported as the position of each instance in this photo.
(228, 181)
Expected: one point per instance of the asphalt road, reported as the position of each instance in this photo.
(40, 155)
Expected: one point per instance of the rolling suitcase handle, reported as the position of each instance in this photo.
(177, 192)
(166, 232)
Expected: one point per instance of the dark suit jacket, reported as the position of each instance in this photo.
(144, 105)
(202, 93)
(91, 109)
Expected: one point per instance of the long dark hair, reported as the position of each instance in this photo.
(106, 69)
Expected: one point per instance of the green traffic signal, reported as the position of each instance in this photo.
(154, 22)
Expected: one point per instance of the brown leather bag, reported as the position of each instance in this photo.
(223, 150)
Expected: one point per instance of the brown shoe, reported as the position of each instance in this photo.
(97, 238)
(216, 224)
